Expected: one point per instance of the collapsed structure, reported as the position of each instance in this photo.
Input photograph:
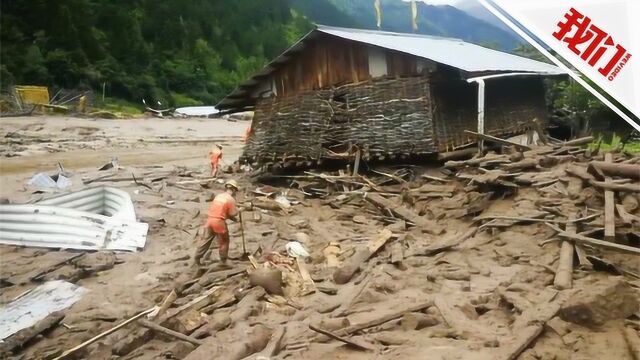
(388, 94)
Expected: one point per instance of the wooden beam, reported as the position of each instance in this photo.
(595, 242)
(615, 187)
(356, 344)
(609, 206)
(103, 334)
(564, 274)
(631, 171)
(498, 140)
(169, 332)
(384, 318)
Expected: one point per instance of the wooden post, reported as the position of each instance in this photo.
(356, 163)
(609, 207)
(480, 115)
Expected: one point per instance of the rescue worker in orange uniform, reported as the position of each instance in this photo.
(215, 155)
(223, 207)
(247, 134)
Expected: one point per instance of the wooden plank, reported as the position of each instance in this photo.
(595, 242)
(584, 263)
(398, 210)
(169, 332)
(344, 273)
(609, 206)
(498, 140)
(356, 344)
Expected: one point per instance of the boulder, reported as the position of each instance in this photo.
(600, 300)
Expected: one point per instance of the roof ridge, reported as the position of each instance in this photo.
(383, 32)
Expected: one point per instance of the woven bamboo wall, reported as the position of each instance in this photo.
(382, 116)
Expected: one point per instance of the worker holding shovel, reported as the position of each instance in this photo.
(223, 207)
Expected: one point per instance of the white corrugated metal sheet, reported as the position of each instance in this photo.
(37, 304)
(100, 218)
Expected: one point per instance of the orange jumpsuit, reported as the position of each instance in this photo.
(222, 207)
(247, 134)
(215, 156)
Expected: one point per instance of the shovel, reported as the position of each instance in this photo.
(245, 254)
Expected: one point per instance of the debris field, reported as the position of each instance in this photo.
(523, 253)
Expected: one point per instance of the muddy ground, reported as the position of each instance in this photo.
(486, 292)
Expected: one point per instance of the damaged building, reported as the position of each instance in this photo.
(340, 91)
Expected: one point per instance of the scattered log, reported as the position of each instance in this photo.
(564, 273)
(18, 339)
(633, 341)
(268, 278)
(457, 154)
(521, 165)
(103, 334)
(41, 274)
(246, 305)
(584, 263)
(528, 326)
(417, 321)
(356, 344)
(498, 140)
(166, 303)
(579, 172)
(609, 206)
(615, 187)
(595, 242)
(352, 329)
(625, 216)
(256, 341)
(439, 247)
(169, 332)
(310, 286)
(274, 345)
(344, 273)
(631, 171)
(579, 141)
(397, 253)
(403, 213)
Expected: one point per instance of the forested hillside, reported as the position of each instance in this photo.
(155, 49)
(189, 51)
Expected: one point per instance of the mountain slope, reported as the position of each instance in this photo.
(323, 12)
(440, 20)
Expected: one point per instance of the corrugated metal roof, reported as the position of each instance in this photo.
(453, 52)
(448, 51)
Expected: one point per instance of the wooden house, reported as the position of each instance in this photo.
(386, 94)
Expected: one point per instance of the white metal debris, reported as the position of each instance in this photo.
(44, 181)
(36, 305)
(196, 111)
(100, 218)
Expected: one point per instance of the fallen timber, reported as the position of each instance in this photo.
(395, 226)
